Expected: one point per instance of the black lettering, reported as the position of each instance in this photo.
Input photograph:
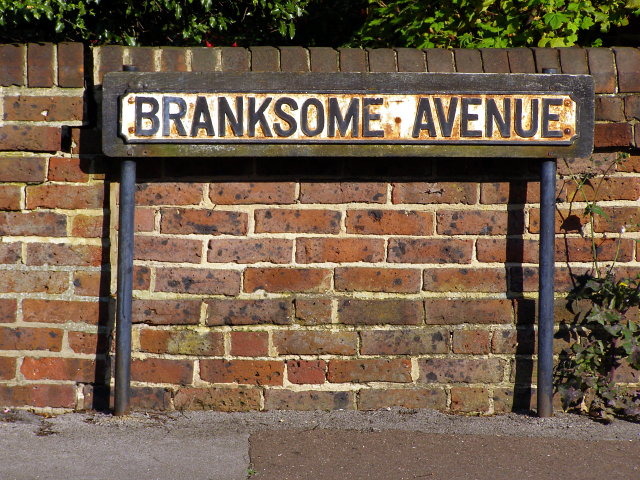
(367, 117)
(446, 120)
(257, 116)
(466, 117)
(291, 103)
(201, 110)
(225, 113)
(533, 124)
(493, 115)
(151, 115)
(176, 117)
(423, 112)
(351, 117)
(304, 117)
(550, 117)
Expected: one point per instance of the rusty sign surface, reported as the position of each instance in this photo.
(219, 114)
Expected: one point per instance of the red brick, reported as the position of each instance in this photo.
(160, 370)
(7, 369)
(294, 59)
(181, 342)
(611, 188)
(70, 65)
(411, 60)
(143, 58)
(526, 279)
(482, 222)
(250, 372)
(10, 197)
(8, 309)
(44, 224)
(353, 60)
(308, 400)
(458, 311)
(389, 222)
(610, 109)
(203, 222)
(315, 342)
(628, 65)
(306, 371)
(404, 342)
(234, 59)
(10, 253)
(546, 58)
(166, 312)
(85, 141)
(467, 370)
(297, 221)
(521, 341)
(632, 111)
(65, 169)
(436, 192)
(380, 312)
(313, 310)
(601, 68)
(55, 396)
(344, 192)
(219, 399)
(167, 249)
(369, 370)
(88, 226)
(22, 169)
(250, 250)
(382, 60)
(323, 59)
(249, 344)
(495, 60)
(143, 220)
(510, 192)
(249, 312)
(43, 109)
(430, 250)
(375, 399)
(40, 71)
(34, 282)
(93, 284)
(465, 280)
(521, 60)
(469, 399)
(243, 193)
(173, 59)
(50, 368)
(63, 254)
(394, 280)
(278, 280)
(152, 194)
(33, 138)
(72, 197)
(30, 339)
(198, 281)
(471, 341)
(63, 311)
(613, 135)
(319, 250)
(265, 59)
(109, 58)
(440, 60)
(89, 343)
(566, 221)
(467, 60)
(13, 65)
(574, 60)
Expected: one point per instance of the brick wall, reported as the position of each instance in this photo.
(274, 283)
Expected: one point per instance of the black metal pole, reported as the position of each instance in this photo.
(546, 286)
(125, 282)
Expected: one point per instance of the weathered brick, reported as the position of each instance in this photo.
(10, 253)
(265, 59)
(546, 58)
(22, 169)
(166, 312)
(469, 399)
(307, 372)
(108, 58)
(495, 60)
(343, 192)
(566, 221)
(389, 222)
(33, 282)
(466, 370)
(141, 277)
(379, 312)
(520, 341)
(72, 197)
(610, 188)
(369, 370)
(628, 65)
(375, 399)
(85, 141)
(323, 59)
(411, 60)
(479, 222)
(521, 60)
(458, 311)
(161, 370)
(474, 342)
(249, 344)
(205, 59)
(239, 399)
(167, 249)
(601, 68)
(7, 369)
(278, 280)
(435, 192)
(404, 342)
(10, 197)
(33, 138)
(465, 280)
(308, 400)
(173, 59)
(526, 279)
(203, 222)
(440, 60)
(143, 58)
(246, 193)
(249, 312)
(13, 65)
(632, 111)
(49, 339)
(395, 280)
(618, 217)
(198, 281)
(152, 194)
(382, 60)
(315, 342)
(181, 342)
(610, 109)
(88, 226)
(248, 372)
(510, 192)
(613, 135)
(518, 399)
(574, 61)
(313, 310)
(89, 343)
(43, 109)
(294, 59)
(467, 60)
(62, 396)
(250, 250)
(8, 310)
(56, 368)
(70, 64)
(318, 250)
(64, 254)
(68, 169)
(297, 221)
(353, 60)
(429, 250)
(40, 69)
(63, 311)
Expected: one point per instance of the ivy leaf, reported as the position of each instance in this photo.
(555, 19)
